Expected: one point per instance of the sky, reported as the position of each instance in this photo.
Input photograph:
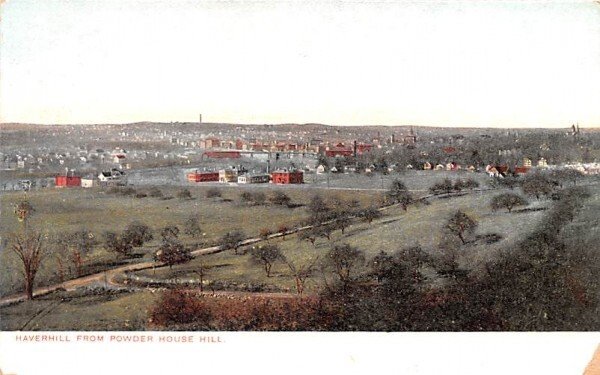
(459, 63)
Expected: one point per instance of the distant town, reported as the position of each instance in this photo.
(104, 155)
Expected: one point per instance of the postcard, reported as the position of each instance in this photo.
(299, 187)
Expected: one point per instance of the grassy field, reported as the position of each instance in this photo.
(77, 311)
(67, 210)
(421, 225)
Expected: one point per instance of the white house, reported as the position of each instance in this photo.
(114, 177)
(88, 182)
(118, 159)
(253, 179)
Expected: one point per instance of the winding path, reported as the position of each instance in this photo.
(111, 274)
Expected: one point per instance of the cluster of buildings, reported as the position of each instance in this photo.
(112, 177)
(235, 175)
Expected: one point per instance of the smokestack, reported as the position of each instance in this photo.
(200, 118)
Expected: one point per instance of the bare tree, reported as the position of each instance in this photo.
(301, 273)
(369, 214)
(342, 221)
(201, 272)
(138, 233)
(309, 235)
(23, 210)
(78, 244)
(169, 232)
(342, 259)
(30, 250)
(118, 244)
(266, 255)
(318, 209)
(460, 224)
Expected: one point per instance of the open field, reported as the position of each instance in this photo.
(80, 311)
(421, 224)
(414, 179)
(67, 210)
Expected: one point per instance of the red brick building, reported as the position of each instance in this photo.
(67, 181)
(203, 176)
(332, 152)
(362, 148)
(287, 177)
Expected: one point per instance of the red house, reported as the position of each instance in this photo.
(521, 170)
(338, 150)
(67, 181)
(203, 176)
(287, 177)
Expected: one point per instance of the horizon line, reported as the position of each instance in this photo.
(298, 124)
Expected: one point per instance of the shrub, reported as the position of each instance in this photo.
(191, 226)
(280, 198)
(213, 193)
(155, 193)
(184, 194)
(137, 234)
(179, 307)
(172, 252)
(243, 313)
(265, 233)
(508, 201)
(442, 187)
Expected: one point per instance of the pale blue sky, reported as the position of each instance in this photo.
(425, 63)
